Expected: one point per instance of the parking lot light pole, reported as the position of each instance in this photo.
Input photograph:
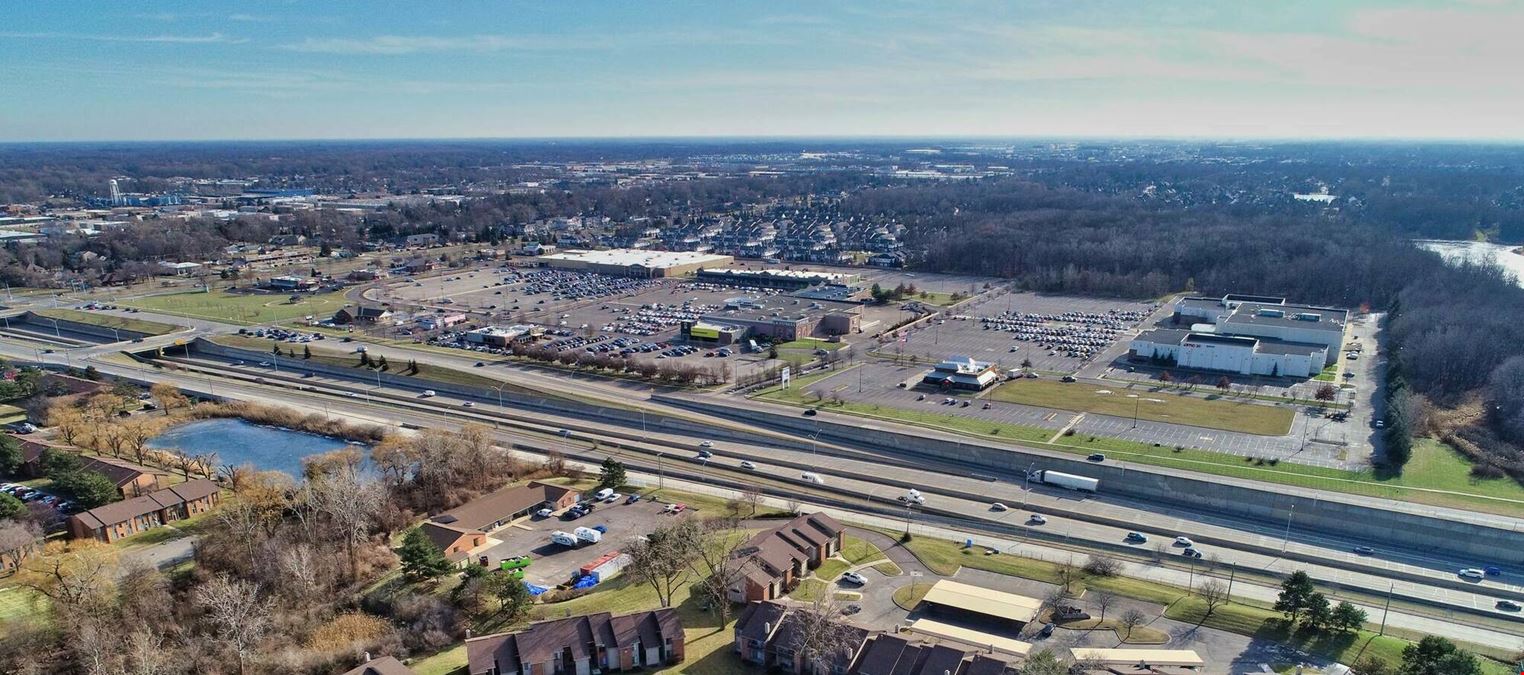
(1135, 403)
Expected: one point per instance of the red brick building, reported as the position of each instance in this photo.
(139, 514)
(774, 561)
(461, 530)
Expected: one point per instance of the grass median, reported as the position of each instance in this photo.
(1149, 404)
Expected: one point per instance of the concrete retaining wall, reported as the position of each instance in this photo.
(82, 328)
(1417, 528)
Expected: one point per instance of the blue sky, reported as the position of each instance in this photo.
(1230, 68)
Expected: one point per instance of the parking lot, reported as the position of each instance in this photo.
(1055, 334)
(554, 563)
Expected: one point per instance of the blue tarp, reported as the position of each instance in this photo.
(588, 581)
(534, 591)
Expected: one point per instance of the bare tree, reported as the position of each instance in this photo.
(147, 654)
(349, 502)
(719, 563)
(818, 637)
(238, 616)
(1103, 600)
(752, 498)
(1214, 593)
(1102, 566)
(18, 540)
(1053, 599)
(1129, 621)
(662, 559)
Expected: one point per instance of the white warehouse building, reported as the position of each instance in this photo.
(1249, 335)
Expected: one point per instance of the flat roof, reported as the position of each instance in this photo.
(782, 274)
(1236, 340)
(1330, 319)
(1153, 657)
(631, 257)
(973, 638)
(1163, 336)
(986, 601)
(1279, 347)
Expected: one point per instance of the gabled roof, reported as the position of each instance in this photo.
(758, 620)
(484, 511)
(540, 642)
(444, 535)
(127, 509)
(117, 471)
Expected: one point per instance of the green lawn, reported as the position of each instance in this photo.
(447, 662)
(907, 597)
(10, 414)
(809, 589)
(859, 551)
(831, 568)
(811, 344)
(240, 308)
(18, 603)
(932, 298)
(796, 395)
(332, 357)
(1149, 404)
(108, 321)
(888, 569)
(1329, 374)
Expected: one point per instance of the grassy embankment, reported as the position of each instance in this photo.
(240, 308)
(109, 321)
(1149, 404)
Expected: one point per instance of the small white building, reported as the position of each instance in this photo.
(962, 372)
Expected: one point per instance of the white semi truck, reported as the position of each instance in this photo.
(1066, 480)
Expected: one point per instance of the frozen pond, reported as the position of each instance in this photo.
(239, 442)
(1478, 251)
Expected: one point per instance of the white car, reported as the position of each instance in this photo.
(469, 404)
(351, 394)
(854, 578)
(1472, 573)
(812, 477)
(428, 393)
(613, 498)
(543, 513)
(1038, 519)
(997, 506)
(706, 444)
(1184, 541)
(748, 466)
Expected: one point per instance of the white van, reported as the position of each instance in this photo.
(812, 477)
(428, 393)
(603, 494)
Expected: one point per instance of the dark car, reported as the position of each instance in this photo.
(809, 413)
(1096, 457)
(1508, 605)
(1365, 550)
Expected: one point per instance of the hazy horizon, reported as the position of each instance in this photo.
(1294, 71)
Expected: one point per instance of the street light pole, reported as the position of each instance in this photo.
(1287, 541)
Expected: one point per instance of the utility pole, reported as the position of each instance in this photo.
(1287, 541)
(1386, 609)
(1232, 572)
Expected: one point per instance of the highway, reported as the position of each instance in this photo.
(1072, 518)
(954, 498)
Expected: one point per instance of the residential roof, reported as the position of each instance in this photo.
(385, 665)
(119, 472)
(777, 549)
(986, 601)
(484, 512)
(445, 535)
(540, 642)
(758, 620)
(127, 509)
(1153, 657)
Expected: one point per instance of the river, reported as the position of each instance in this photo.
(239, 442)
(1477, 251)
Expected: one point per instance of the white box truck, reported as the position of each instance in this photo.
(563, 538)
(1066, 480)
(588, 535)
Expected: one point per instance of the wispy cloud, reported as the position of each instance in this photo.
(212, 38)
(414, 44)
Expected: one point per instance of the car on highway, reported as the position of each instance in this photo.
(706, 444)
(478, 364)
(705, 454)
(1507, 605)
(913, 497)
(1184, 541)
(748, 466)
(810, 412)
(264, 364)
(1067, 378)
(1364, 550)
(855, 578)
(1096, 457)
(1471, 574)
(428, 393)
(351, 394)
(1038, 519)
(1136, 537)
(468, 404)
(1190, 552)
(812, 477)
(997, 506)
